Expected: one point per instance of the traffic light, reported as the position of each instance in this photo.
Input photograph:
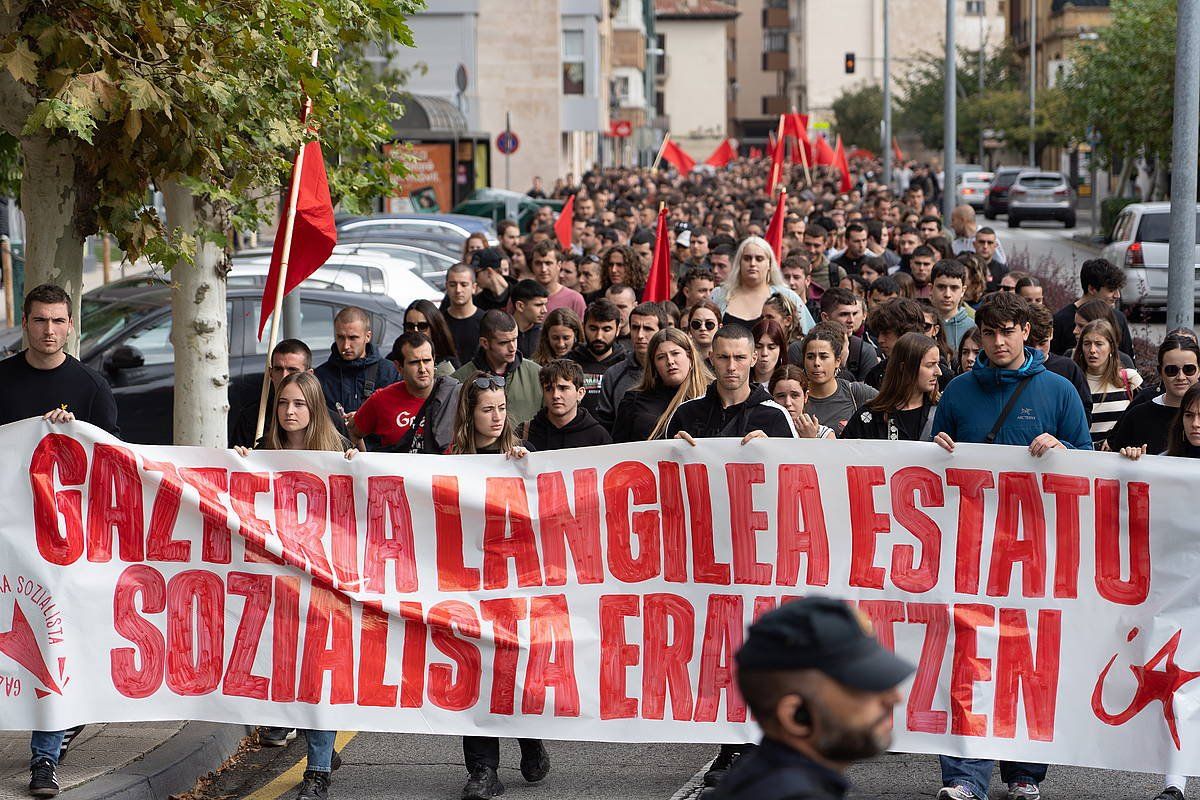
(849, 63)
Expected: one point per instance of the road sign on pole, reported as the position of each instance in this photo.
(507, 143)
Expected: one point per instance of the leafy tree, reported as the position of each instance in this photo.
(1123, 84)
(858, 113)
(107, 98)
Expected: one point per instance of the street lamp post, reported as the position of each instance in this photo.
(1033, 15)
(950, 131)
(887, 97)
(1181, 275)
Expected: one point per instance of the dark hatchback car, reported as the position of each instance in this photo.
(126, 336)
(995, 202)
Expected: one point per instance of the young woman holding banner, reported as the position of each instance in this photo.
(299, 422)
(907, 400)
(677, 374)
(482, 426)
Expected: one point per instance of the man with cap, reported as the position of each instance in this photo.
(823, 690)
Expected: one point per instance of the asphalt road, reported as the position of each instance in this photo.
(411, 767)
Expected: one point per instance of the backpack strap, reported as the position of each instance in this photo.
(1008, 407)
(372, 376)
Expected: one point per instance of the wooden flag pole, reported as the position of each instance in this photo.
(658, 158)
(804, 154)
(289, 226)
(776, 165)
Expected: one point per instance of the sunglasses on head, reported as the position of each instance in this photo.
(416, 326)
(1004, 288)
(702, 325)
(489, 382)
(1171, 370)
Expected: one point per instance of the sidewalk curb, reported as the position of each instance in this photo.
(171, 768)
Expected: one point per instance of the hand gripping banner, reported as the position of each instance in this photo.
(598, 594)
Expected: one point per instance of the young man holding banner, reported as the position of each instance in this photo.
(981, 406)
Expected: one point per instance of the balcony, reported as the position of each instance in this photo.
(775, 18)
(629, 49)
(774, 106)
(775, 62)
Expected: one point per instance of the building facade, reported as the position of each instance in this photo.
(693, 75)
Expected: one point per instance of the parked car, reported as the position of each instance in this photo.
(1140, 244)
(378, 272)
(447, 244)
(125, 335)
(1041, 195)
(996, 200)
(498, 204)
(461, 225)
(430, 265)
(972, 188)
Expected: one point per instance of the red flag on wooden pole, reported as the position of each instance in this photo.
(674, 155)
(824, 153)
(777, 155)
(897, 153)
(564, 226)
(775, 228)
(658, 285)
(843, 166)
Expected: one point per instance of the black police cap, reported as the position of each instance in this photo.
(824, 634)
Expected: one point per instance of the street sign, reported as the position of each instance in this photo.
(620, 128)
(507, 143)
(460, 77)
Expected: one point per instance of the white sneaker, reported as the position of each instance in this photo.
(1024, 790)
(956, 793)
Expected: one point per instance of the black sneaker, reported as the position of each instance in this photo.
(42, 780)
(535, 763)
(315, 786)
(275, 737)
(336, 761)
(721, 764)
(484, 784)
(1170, 793)
(69, 736)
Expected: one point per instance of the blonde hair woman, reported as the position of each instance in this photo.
(753, 277)
(675, 373)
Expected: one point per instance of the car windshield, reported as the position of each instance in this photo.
(1156, 228)
(102, 319)
(1006, 178)
(1041, 181)
(977, 177)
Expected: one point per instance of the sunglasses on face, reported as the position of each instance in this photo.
(1171, 370)
(702, 325)
(416, 326)
(489, 382)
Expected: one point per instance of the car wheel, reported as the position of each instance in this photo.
(1069, 221)
(1013, 220)
(988, 213)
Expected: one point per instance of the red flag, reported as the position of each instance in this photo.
(775, 229)
(897, 153)
(843, 166)
(564, 226)
(674, 155)
(658, 285)
(824, 153)
(796, 125)
(313, 233)
(722, 155)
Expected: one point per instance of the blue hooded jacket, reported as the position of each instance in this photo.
(973, 401)
(344, 381)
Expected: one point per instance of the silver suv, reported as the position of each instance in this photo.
(1041, 195)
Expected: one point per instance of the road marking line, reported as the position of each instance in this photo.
(694, 785)
(292, 777)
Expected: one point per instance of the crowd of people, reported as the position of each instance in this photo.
(878, 320)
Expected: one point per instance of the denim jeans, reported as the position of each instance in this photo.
(320, 749)
(46, 744)
(976, 773)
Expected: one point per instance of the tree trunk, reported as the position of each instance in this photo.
(199, 329)
(1126, 172)
(1161, 167)
(53, 248)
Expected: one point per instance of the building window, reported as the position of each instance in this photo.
(620, 88)
(574, 71)
(775, 41)
(976, 8)
(775, 3)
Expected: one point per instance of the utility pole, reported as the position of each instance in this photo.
(982, 63)
(1181, 277)
(1033, 15)
(950, 132)
(887, 96)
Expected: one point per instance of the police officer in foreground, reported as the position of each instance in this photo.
(822, 689)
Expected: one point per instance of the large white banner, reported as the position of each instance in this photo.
(598, 594)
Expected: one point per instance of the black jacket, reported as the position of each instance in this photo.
(774, 771)
(639, 412)
(614, 383)
(352, 382)
(1064, 366)
(593, 369)
(241, 433)
(1064, 331)
(583, 431)
(705, 417)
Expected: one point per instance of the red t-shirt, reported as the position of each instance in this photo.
(388, 413)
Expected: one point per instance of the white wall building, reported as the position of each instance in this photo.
(695, 79)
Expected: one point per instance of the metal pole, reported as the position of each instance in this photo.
(507, 172)
(1181, 278)
(1033, 15)
(982, 65)
(887, 96)
(951, 114)
(291, 314)
(6, 269)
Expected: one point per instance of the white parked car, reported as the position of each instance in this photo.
(373, 273)
(972, 188)
(1140, 244)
